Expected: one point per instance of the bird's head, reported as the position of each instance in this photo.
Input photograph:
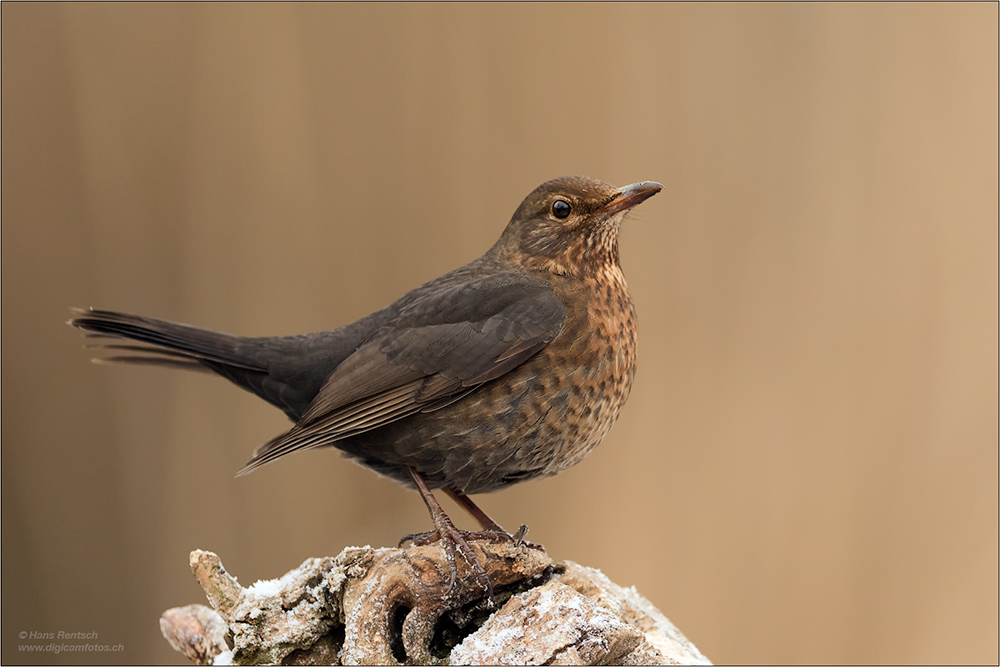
(570, 225)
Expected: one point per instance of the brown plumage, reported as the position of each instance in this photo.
(511, 367)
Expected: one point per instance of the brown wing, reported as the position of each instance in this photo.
(438, 350)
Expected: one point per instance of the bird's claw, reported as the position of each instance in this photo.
(454, 542)
(420, 539)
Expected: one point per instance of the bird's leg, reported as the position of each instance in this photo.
(491, 529)
(477, 513)
(452, 539)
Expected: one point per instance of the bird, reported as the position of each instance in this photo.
(510, 368)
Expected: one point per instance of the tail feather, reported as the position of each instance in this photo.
(150, 360)
(172, 344)
(146, 355)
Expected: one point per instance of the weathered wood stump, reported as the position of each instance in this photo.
(394, 606)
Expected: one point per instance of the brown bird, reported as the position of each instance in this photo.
(509, 368)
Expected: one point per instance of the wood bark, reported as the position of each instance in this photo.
(395, 606)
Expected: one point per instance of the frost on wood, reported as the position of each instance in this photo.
(393, 606)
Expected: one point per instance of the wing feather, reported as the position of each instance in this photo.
(439, 350)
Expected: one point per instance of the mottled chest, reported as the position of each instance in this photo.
(594, 359)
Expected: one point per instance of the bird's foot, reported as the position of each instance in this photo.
(490, 527)
(456, 542)
(497, 535)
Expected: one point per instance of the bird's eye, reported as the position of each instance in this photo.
(560, 209)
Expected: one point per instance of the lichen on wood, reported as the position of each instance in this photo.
(395, 606)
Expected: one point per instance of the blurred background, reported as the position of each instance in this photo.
(807, 469)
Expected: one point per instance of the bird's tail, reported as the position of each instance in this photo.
(163, 343)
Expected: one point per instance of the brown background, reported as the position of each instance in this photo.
(807, 469)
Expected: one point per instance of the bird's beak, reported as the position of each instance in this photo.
(632, 195)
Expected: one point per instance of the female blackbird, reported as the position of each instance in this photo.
(511, 367)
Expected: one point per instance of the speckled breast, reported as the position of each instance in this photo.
(537, 420)
(595, 359)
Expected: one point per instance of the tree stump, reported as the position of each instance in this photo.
(394, 606)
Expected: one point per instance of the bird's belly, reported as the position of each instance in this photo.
(537, 420)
